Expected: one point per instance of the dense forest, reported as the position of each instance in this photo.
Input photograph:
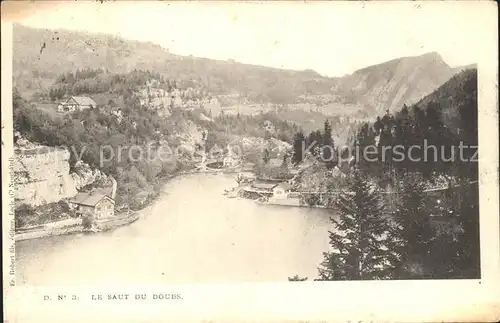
(93, 81)
(436, 127)
(391, 225)
(88, 130)
(438, 135)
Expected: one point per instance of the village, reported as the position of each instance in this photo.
(94, 208)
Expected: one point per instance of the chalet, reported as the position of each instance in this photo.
(281, 190)
(282, 195)
(95, 204)
(263, 187)
(77, 103)
(98, 203)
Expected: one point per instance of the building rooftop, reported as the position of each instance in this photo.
(265, 186)
(285, 186)
(88, 198)
(83, 100)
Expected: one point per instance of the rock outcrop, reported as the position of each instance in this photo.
(84, 175)
(42, 174)
(190, 139)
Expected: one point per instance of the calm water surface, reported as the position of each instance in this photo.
(192, 234)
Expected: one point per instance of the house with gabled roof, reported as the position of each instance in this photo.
(77, 103)
(96, 204)
(281, 190)
(263, 186)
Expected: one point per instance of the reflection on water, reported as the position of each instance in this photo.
(192, 234)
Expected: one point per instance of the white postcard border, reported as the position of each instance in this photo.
(403, 301)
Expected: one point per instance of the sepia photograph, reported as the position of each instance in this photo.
(162, 143)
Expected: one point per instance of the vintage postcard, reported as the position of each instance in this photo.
(250, 161)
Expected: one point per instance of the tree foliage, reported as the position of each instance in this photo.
(412, 232)
(360, 244)
(428, 135)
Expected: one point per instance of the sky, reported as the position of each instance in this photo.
(332, 38)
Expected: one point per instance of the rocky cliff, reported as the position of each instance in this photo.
(42, 175)
(391, 84)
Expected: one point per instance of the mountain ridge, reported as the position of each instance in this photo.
(389, 85)
(378, 87)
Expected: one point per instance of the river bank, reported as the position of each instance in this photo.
(74, 225)
(176, 238)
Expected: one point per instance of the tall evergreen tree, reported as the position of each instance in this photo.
(314, 141)
(468, 263)
(328, 151)
(360, 245)
(455, 250)
(298, 147)
(267, 156)
(412, 233)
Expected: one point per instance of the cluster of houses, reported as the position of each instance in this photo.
(318, 99)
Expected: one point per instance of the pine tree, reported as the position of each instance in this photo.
(468, 251)
(267, 156)
(327, 148)
(314, 142)
(298, 147)
(359, 242)
(412, 232)
(455, 251)
(327, 133)
(52, 95)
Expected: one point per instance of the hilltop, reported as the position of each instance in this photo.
(41, 55)
(391, 84)
(456, 101)
(45, 54)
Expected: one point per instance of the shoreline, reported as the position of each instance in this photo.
(50, 229)
(44, 231)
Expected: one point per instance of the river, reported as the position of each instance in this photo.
(191, 234)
